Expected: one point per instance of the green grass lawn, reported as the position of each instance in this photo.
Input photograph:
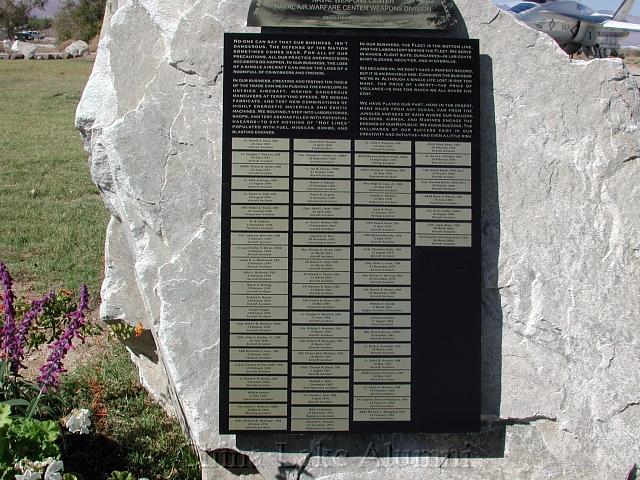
(132, 433)
(52, 224)
(52, 221)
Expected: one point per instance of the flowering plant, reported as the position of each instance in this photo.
(23, 442)
(78, 421)
(30, 434)
(28, 444)
(55, 319)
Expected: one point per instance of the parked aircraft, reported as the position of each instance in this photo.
(574, 25)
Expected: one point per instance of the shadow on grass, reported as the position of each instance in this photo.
(92, 456)
(132, 433)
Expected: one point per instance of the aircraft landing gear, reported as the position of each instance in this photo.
(571, 48)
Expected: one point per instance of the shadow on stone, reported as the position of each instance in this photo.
(143, 344)
(287, 470)
(234, 461)
(491, 304)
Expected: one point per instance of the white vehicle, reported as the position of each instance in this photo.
(574, 25)
(30, 35)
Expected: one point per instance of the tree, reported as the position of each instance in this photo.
(79, 19)
(35, 23)
(15, 13)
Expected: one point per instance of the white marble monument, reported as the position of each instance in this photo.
(561, 250)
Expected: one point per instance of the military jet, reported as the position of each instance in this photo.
(574, 25)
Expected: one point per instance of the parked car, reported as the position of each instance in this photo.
(26, 35)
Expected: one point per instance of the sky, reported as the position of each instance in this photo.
(49, 10)
(610, 5)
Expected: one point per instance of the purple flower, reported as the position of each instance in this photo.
(13, 337)
(7, 286)
(37, 307)
(8, 332)
(52, 369)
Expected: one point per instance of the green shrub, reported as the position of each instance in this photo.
(79, 20)
(39, 23)
(29, 439)
(25, 439)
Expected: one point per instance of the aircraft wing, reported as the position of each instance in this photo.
(621, 26)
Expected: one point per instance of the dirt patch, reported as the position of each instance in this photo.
(80, 354)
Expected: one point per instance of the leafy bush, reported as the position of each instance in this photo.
(25, 438)
(40, 24)
(15, 13)
(79, 20)
(131, 432)
(28, 444)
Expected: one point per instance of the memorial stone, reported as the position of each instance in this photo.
(560, 184)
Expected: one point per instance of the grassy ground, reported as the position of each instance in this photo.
(52, 220)
(134, 434)
(52, 225)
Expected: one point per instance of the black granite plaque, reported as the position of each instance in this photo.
(350, 287)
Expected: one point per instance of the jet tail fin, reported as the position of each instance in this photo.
(623, 10)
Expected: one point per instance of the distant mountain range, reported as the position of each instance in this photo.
(50, 9)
